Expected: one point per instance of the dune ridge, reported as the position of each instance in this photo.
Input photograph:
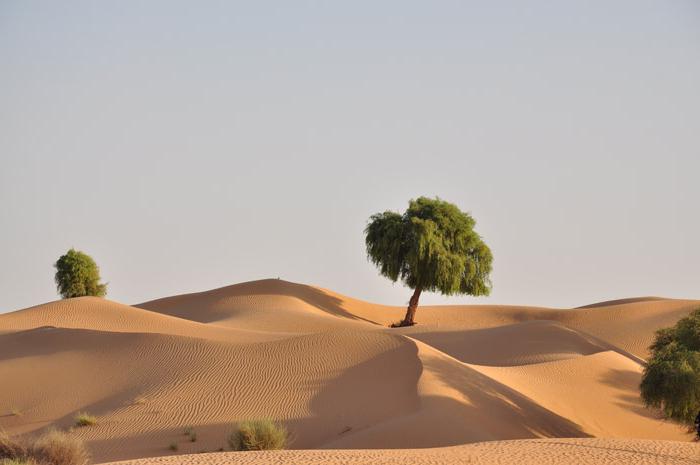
(327, 366)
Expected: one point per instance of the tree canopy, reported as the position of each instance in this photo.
(430, 247)
(671, 380)
(77, 275)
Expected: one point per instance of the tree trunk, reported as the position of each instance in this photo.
(411, 310)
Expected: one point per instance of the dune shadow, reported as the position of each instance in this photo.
(383, 387)
(49, 340)
(489, 411)
(497, 407)
(631, 399)
(511, 345)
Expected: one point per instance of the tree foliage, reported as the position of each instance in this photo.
(431, 247)
(77, 275)
(671, 380)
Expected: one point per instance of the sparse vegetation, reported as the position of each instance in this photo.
(57, 448)
(52, 448)
(173, 446)
(431, 247)
(77, 275)
(11, 449)
(262, 434)
(191, 434)
(16, 462)
(671, 379)
(85, 419)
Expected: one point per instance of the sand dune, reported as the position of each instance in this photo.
(267, 305)
(631, 300)
(104, 315)
(527, 452)
(598, 392)
(145, 388)
(327, 366)
(513, 344)
(278, 305)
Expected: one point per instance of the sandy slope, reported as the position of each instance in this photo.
(104, 315)
(598, 392)
(319, 362)
(267, 305)
(628, 324)
(527, 452)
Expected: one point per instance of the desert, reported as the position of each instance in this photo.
(349, 232)
(469, 383)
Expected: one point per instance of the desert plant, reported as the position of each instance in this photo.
(16, 462)
(57, 448)
(85, 419)
(11, 449)
(262, 434)
(52, 448)
(671, 379)
(77, 275)
(173, 446)
(431, 247)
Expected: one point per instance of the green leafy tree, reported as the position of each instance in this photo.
(671, 379)
(77, 275)
(431, 247)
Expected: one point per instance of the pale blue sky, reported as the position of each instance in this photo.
(191, 145)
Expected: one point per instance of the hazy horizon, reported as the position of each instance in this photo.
(190, 146)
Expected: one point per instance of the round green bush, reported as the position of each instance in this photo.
(77, 275)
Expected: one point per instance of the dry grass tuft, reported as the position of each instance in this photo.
(11, 449)
(258, 435)
(85, 419)
(57, 448)
(52, 448)
(16, 462)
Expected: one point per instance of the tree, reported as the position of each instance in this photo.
(77, 275)
(671, 379)
(431, 247)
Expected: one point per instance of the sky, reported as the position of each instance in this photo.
(192, 145)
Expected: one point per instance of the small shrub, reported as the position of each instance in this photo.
(193, 436)
(188, 430)
(53, 448)
(85, 419)
(11, 449)
(16, 462)
(57, 448)
(258, 435)
(173, 446)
